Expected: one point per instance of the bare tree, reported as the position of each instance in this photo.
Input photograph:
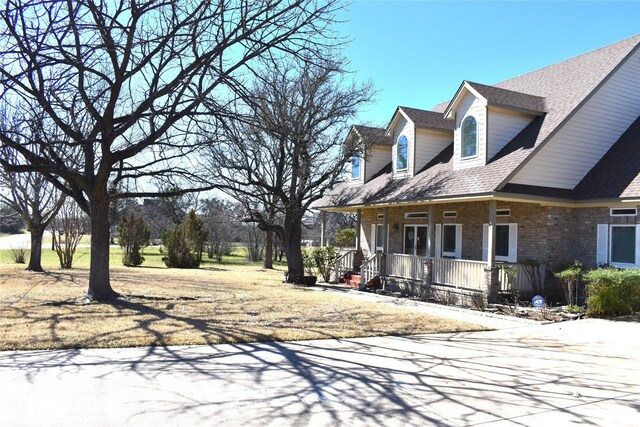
(125, 87)
(221, 225)
(294, 150)
(10, 221)
(37, 201)
(255, 240)
(67, 229)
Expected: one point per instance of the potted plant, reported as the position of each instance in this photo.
(310, 278)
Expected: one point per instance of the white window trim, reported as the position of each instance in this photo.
(475, 156)
(412, 215)
(374, 238)
(360, 162)
(458, 249)
(449, 214)
(603, 245)
(633, 214)
(503, 212)
(610, 243)
(380, 216)
(513, 239)
(395, 164)
(415, 241)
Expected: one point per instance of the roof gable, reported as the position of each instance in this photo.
(423, 119)
(371, 135)
(497, 97)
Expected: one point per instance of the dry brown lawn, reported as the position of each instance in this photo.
(178, 307)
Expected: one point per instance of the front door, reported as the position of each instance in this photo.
(415, 240)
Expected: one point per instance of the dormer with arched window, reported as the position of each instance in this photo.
(486, 118)
(418, 136)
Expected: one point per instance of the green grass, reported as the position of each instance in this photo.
(152, 255)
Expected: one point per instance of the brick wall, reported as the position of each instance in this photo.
(545, 233)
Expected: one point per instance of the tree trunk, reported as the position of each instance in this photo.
(268, 252)
(99, 284)
(292, 240)
(35, 257)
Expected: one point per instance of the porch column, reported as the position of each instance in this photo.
(491, 235)
(358, 230)
(385, 227)
(431, 247)
(323, 229)
(358, 256)
(492, 285)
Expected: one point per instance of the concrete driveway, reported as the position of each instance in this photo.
(584, 372)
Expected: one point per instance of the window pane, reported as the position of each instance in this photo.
(409, 240)
(469, 137)
(355, 166)
(379, 236)
(502, 240)
(623, 245)
(449, 238)
(421, 243)
(402, 148)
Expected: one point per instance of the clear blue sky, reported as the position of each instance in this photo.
(417, 53)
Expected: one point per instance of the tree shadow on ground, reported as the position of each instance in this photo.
(458, 379)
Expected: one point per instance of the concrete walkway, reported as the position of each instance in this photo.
(584, 372)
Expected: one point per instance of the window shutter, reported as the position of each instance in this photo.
(438, 241)
(602, 244)
(372, 242)
(637, 245)
(513, 242)
(458, 241)
(485, 242)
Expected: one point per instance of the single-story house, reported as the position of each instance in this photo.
(542, 167)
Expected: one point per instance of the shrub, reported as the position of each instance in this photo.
(569, 274)
(176, 250)
(195, 234)
(345, 237)
(613, 292)
(19, 254)
(134, 236)
(532, 270)
(309, 262)
(183, 244)
(325, 260)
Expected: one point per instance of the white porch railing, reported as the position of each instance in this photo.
(344, 264)
(405, 266)
(370, 268)
(460, 273)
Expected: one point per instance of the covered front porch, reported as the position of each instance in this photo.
(467, 247)
(459, 274)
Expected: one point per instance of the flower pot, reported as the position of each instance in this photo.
(309, 280)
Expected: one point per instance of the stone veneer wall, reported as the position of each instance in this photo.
(545, 233)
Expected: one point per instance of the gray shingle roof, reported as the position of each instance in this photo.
(427, 119)
(564, 87)
(500, 97)
(372, 135)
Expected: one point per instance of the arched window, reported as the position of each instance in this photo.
(355, 166)
(402, 150)
(469, 131)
